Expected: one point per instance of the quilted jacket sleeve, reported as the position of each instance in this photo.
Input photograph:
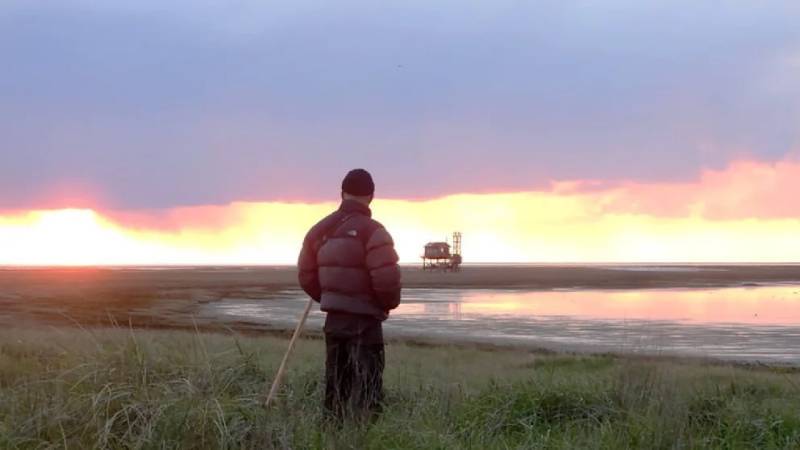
(381, 261)
(308, 269)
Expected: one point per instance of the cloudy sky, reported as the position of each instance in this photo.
(164, 116)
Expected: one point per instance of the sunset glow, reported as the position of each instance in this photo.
(155, 132)
(743, 213)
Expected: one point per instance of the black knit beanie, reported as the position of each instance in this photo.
(358, 182)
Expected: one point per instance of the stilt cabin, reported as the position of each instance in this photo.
(442, 256)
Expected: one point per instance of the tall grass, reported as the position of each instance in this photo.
(70, 388)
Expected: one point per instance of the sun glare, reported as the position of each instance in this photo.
(524, 227)
(630, 223)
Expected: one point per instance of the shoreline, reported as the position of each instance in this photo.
(538, 277)
(429, 342)
(185, 299)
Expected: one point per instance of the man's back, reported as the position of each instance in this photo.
(349, 265)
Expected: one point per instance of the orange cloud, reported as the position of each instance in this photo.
(745, 189)
(746, 212)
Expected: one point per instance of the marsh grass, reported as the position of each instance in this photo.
(117, 388)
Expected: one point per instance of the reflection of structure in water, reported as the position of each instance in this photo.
(448, 309)
(438, 255)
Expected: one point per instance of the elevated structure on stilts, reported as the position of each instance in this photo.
(442, 255)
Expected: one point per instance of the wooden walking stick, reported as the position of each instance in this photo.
(277, 382)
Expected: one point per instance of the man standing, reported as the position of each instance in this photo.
(348, 264)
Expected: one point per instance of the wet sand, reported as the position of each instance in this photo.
(153, 295)
(741, 324)
(168, 296)
(621, 276)
(625, 308)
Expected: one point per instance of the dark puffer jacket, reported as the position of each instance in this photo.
(348, 264)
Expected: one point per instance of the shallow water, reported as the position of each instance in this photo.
(752, 323)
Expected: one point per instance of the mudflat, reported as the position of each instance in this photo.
(548, 276)
(170, 296)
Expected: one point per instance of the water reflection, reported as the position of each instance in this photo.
(777, 305)
(737, 323)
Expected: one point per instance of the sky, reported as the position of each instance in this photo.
(192, 132)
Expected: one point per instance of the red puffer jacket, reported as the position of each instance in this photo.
(348, 263)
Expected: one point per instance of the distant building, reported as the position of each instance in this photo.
(438, 255)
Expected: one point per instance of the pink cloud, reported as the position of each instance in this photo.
(744, 189)
(210, 217)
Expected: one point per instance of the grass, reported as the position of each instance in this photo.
(116, 388)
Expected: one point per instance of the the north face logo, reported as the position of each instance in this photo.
(352, 233)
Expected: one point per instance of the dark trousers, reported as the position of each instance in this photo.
(354, 366)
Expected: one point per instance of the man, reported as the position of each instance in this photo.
(348, 264)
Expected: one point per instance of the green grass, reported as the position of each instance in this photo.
(70, 388)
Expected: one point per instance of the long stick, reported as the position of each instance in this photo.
(277, 382)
